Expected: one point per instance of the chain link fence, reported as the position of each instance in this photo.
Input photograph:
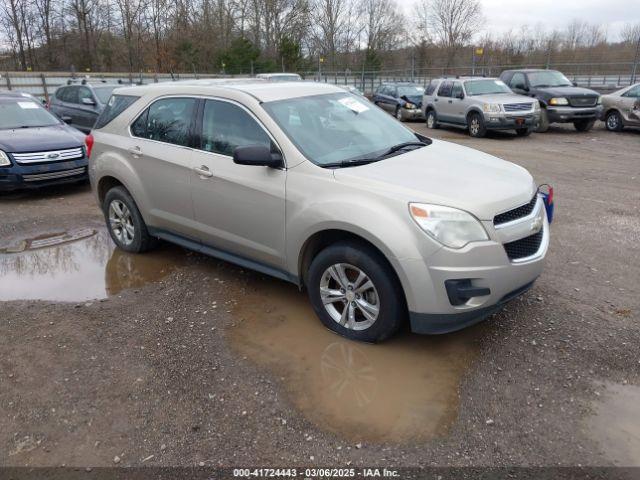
(601, 77)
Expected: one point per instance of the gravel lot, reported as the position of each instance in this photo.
(186, 360)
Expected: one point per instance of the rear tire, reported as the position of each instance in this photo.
(475, 123)
(614, 121)
(523, 132)
(583, 125)
(432, 120)
(349, 283)
(125, 223)
(543, 121)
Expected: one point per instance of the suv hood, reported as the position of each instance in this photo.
(447, 174)
(566, 91)
(38, 139)
(502, 98)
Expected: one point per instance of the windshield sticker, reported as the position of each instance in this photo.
(27, 105)
(353, 104)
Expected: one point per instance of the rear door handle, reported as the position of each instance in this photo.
(435, 99)
(203, 171)
(135, 151)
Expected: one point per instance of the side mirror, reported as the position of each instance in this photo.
(258, 156)
(460, 96)
(522, 86)
(66, 119)
(88, 101)
(575, 84)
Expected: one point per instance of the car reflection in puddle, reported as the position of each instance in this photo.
(78, 265)
(405, 388)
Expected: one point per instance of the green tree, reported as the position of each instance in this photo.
(239, 57)
(290, 54)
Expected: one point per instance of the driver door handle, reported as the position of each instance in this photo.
(203, 171)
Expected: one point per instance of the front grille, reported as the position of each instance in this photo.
(35, 177)
(589, 101)
(516, 213)
(517, 107)
(50, 156)
(525, 247)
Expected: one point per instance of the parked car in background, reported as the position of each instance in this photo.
(403, 100)
(478, 104)
(622, 108)
(36, 147)
(80, 104)
(280, 77)
(316, 186)
(561, 101)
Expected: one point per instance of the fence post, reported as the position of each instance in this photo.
(8, 81)
(44, 87)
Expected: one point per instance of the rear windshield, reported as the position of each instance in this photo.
(24, 113)
(115, 106)
(103, 93)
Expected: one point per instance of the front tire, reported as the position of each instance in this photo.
(583, 125)
(355, 292)
(614, 122)
(523, 132)
(125, 223)
(432, 120)
(477, 128)
(543, 121)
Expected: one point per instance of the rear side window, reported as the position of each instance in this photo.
(115, 106)
(168, 120)
(445, 89)
(226, 126)
(431, 88)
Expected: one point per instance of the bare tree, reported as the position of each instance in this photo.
(630, 33)
(453, 23)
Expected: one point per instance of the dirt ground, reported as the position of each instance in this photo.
(173, 358)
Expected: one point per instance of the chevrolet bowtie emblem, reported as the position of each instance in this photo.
(536, 225)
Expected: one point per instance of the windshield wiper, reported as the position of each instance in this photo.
(354, 162)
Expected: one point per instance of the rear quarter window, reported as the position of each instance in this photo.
(115, 106)
(432, 87)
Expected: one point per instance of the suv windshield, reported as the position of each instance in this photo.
(548, 79)
(409, 91)
(24, 113)
(485, 87)
(337, 127)
(103, 93)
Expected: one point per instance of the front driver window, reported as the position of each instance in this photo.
(226, 126)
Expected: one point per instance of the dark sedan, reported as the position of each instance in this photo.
(403, 100)
(36, 148)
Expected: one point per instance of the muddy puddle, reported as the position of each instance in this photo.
(78, 265)
(402, 389)
(615, 424)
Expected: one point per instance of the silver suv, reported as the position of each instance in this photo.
(478, 104)
(313, 185)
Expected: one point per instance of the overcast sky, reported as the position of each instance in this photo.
(501, 15)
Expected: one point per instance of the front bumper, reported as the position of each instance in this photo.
(412, 114)
(511, 122)
(572, 114)
(18, 177)
(486, 268)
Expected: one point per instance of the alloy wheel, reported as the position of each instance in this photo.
(349, 296)
(474, 128)
(430, 120)
(612, 121)
(121, 222)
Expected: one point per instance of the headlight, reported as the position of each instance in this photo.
(536, 106)
(410, 106)
(452, 227)
(4, 159)
(599, 102)
(559, 101)
(491, 107)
